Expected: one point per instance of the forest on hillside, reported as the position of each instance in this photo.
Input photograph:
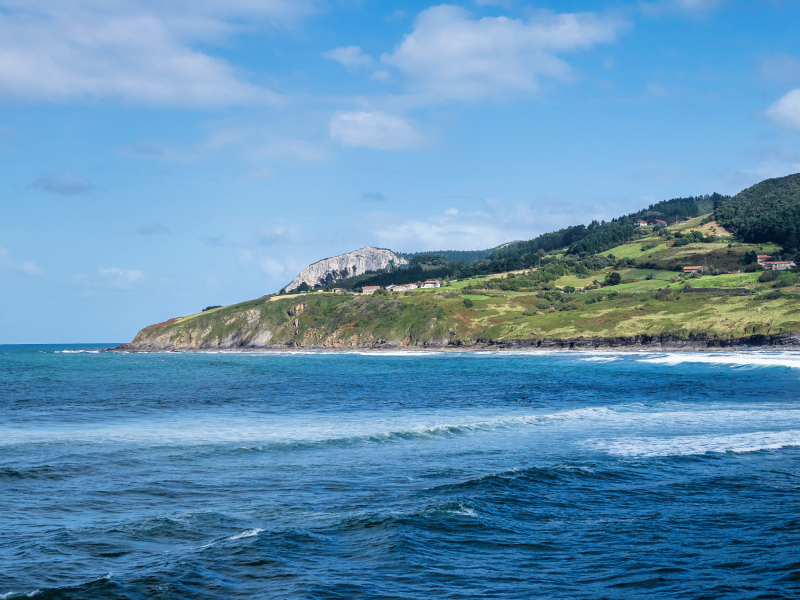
(767, 212)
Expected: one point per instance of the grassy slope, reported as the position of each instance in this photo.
(422, 316)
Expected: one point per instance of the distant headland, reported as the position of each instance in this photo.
(703, 272)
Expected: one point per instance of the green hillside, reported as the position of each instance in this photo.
(635, 289)
(767, 212)
(602, 282)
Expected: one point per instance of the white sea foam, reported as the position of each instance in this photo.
(601, 359)
(464, 511)
(645, 447)
(750, 359)
(245, 534)
(76, 352)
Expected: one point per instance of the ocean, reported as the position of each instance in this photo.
(398, 475)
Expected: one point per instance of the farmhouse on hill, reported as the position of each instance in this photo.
(401, 288)
(370, 289)
(696, 269)
(779, 265)
(432, 283)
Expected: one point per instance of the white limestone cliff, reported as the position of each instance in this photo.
(330, 270)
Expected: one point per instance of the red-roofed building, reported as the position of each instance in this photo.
(779, 265)
(370, 289)
(696, 269)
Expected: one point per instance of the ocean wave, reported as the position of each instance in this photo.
(249, 434)
(245, 534)
(736, 359)
(76, 352)
(647, 447)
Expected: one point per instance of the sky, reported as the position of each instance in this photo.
(160, 157)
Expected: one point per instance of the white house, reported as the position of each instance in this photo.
(431, 283)
(370, 289)
(640, 223)
(779, 265)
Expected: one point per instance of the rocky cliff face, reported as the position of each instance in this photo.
(331, 270)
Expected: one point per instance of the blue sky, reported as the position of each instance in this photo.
(157, 158)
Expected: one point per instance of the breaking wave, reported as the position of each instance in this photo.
(740, 359)
(703, 444)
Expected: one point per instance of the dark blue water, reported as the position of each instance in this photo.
(405, 476)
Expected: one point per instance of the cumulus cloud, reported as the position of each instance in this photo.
(350, 56)
(786, 111)
(64, 183)
(132, 50)
(154, 229)
(373, 197)
(374, 130)
(25, 267)
(112, 278)
(451, 56)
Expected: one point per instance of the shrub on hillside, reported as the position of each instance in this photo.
(468, 303)
(613, 279)
(768, 276)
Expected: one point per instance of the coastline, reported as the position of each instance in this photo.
(786, 342)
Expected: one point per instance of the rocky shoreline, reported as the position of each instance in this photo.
(664, 342)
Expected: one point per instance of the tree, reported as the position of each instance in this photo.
(468, 302)
(613, 278)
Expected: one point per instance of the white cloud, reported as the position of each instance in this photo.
(350, 56)
(112, 278)
(130, 50)
(374, 130)
(456, 229)
(26, 267)
(786, 111)
(65, 183)
(450, 56)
